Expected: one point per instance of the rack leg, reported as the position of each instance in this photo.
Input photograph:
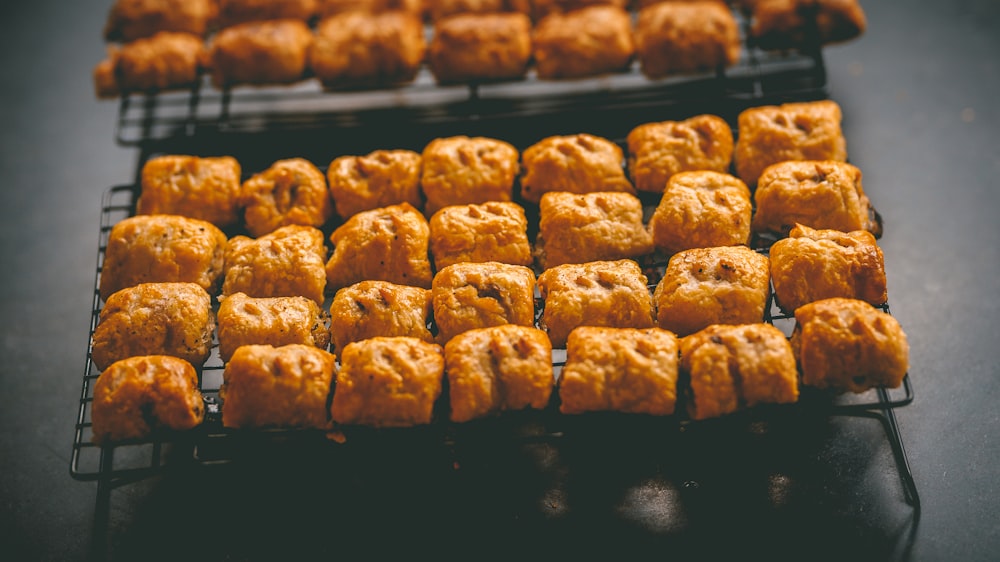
(899, 451)
(99, 548)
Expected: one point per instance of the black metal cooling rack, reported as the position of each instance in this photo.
(211, 443)
(759, 76)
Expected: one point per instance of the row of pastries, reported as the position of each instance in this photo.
(362, 47)
(804, 140)
(399, 381)
(391, 297)
(825, 20)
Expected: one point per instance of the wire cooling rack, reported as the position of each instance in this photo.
(759, 75)
(211, 443)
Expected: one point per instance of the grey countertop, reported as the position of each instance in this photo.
(919, 94)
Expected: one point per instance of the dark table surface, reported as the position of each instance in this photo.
(919, 93)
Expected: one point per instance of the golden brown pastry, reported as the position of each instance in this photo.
(848, 345)
(277, 387)
(640, 4)
(612, 294)
(600, 226)
(812, 265)
(673, 38)
(200, 188)
(291, 191)
(387, 244)
(731, 367)
(661, 149)
(619, 370)
(162, 62)
(498, 369)
(162, 248)
(492, 231)
(104, 76)
(378, 308)
(702, 210)
(331, 7)
(705, 286)
(129, 20)
(788, 24)
(580, 163)
(542, 8)
(277, 321)
(173, 319)
(362, 50)
(466, 296)
(817, 194)
(388, 382)
(288, 262)
(590, 41)
(480, 48)
(137, 397)
(377, 179)
(438, 9)
(459, 170)
(232, 12)
(260, 53)
(792, 131)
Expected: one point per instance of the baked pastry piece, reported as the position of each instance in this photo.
(285, 263)
(498, 369)
(541, 8)
(277, 387)
(200, 188)
(378, 308)
(817, 194)
(260, 53)
(612, 294)
(478, 295)
(640, 4)
(674, 38)
(459, 170)
(377, 179)
(480, 48)
(793, 131)
(129, 20)
(812, 265)
(789, 24)
(590, 41)
(491, 231)
(388, 382)
(848, 345)
(162, 248)
(361, 50)
(277, 321)
(438, 9)
(173, 319)
(232, 12)
(661, 149)
(387, 244)
(731, 367)
(165, 61)
(291, 191)
(600, 226)
(702, 210)
(137, 397)
(619, 370)
(705, 286)
(580, 163)
(327, 8)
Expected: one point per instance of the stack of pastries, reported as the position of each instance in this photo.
(396, 281)
(159, 45)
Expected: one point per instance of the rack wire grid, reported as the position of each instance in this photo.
(211, 443)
